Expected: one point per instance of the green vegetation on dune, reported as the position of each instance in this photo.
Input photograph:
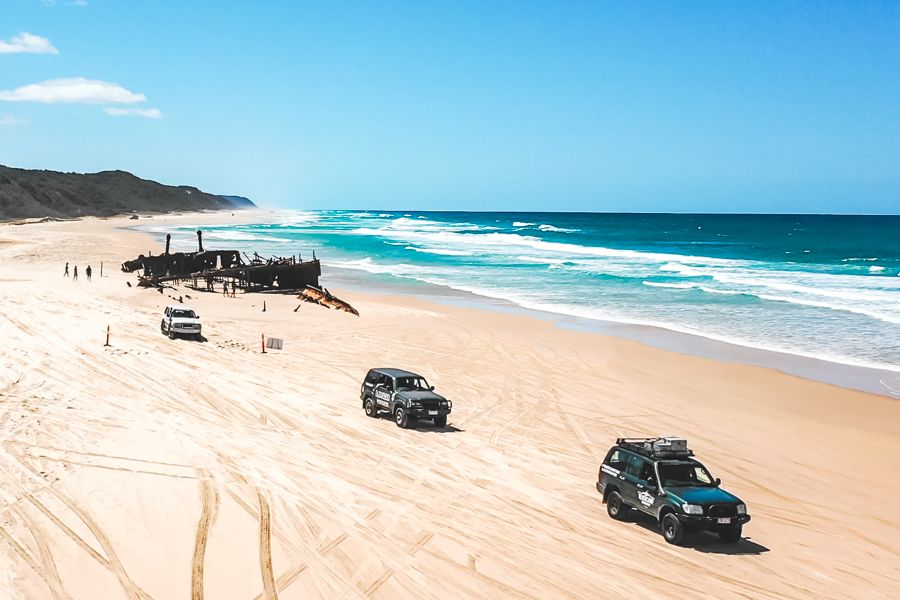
(37, 193)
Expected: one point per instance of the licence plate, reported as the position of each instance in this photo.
(724, 520)
(432, 412)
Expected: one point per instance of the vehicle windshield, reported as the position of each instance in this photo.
(691, 474)
(183, 313)
(412, 384)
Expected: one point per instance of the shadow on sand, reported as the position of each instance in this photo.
(423, 426)
(701, 541)
(427, 426)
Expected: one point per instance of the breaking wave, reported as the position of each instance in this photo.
(556, 229)
(694, 278)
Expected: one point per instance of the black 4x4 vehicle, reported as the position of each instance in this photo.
(659, 477)
(404, 395)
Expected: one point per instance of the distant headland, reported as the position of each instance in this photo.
(26, 193)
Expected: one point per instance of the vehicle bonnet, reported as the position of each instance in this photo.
(421, 396)
(702, 495)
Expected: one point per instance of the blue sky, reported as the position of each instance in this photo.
(597, 106)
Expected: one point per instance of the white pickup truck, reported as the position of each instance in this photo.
(179, 319)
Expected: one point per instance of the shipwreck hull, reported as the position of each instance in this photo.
(205, 268)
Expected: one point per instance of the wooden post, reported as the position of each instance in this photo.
(107, 336)
(101, 268)
(263, 336)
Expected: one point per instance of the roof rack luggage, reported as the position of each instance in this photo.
(658, 447)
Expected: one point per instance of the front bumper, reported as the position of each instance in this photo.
(425, 413)
(710, 523)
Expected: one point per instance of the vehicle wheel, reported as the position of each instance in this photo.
(171, 333)
(401, 418)
(162, 327)
(615, 507)
(440, 421)
(672, 529)
(371, 411)
(731, 534)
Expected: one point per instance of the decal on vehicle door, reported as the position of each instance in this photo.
(609, 470)
(382, 397)
(646, 498)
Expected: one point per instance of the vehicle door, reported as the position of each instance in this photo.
(168, 319)
(384, 393)
(628, 479)
(647, 489)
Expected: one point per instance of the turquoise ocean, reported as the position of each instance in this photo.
(820, 286)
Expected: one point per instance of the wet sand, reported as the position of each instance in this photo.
(154, 468)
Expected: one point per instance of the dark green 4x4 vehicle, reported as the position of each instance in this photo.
(404, 395)
(660, 477)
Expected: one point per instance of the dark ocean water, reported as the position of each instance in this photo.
(815, 285)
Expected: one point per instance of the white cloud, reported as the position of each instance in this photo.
(147, 113)
(10, 121)
(76, 89)
(27, 43)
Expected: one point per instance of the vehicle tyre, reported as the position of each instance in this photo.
(371, 411)
(731, 534)
(162, 327)
(401, 417)
(672, 529)
(171, 333)
(440, 421)
(616, 507)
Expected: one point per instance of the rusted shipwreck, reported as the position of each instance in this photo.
(323, 297)
(205, 269)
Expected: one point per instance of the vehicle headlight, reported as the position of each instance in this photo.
(692, 509)
(742, 509)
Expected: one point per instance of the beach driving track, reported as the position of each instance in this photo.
(159, 468)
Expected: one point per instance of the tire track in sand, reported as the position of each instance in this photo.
(50, 575)
(208, 515)
(23, 554)
(265, 548)
(111, 561)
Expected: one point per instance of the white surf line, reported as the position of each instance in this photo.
(894, 391)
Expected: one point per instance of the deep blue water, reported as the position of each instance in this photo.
(825, 286)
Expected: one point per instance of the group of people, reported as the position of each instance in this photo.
(210, 287)
(233, 289)
(87, 272)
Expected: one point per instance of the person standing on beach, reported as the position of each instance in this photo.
(88, 272)
(66, 274)
(75, 273)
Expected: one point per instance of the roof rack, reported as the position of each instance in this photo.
(657, 447)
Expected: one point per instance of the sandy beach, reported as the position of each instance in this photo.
(153, 468)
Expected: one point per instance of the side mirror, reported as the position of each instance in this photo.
(431, 388)
(718, 481)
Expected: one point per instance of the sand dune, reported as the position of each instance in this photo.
(157, 469)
